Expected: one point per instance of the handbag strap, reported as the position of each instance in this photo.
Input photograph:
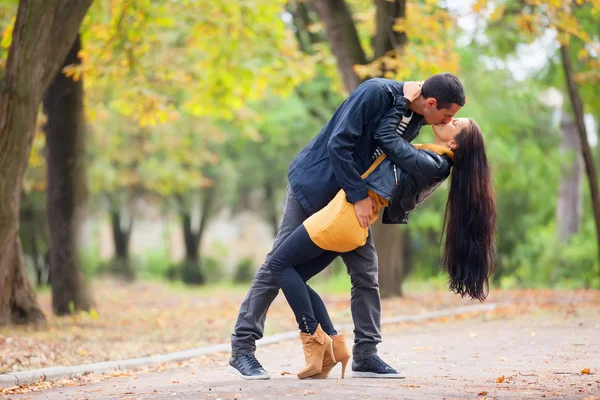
(374, 165)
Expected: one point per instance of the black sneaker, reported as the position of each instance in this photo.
(247, 366)
(373, 367)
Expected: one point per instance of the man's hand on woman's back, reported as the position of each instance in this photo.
(364, 211)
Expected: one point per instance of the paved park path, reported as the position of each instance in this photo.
(534, 356)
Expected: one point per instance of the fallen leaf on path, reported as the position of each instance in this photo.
(9, 389)
(285, 373)
(411, 386)
(500, 379)
(310, 392)
(501, 358)
(422, 348)
(482, 393)
(586, 371)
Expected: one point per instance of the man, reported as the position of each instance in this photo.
(334, 159)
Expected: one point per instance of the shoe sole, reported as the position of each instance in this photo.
(356, 374)
(248, 378)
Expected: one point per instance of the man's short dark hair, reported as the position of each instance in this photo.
(446, 89)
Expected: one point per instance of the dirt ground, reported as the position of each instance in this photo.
(148, 318)
(512, 355)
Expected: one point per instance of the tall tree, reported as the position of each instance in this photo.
(343, 39)
(569, 205)
(345, 45)
(586, 151)
(574, 25)
(43, 33)
(192, 270)
(394, 56)
(66, 192)
(390, 240)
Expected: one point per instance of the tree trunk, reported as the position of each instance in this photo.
(120, 234)
(272, 209)
(66, 192)
(386, 38)
(43, 33)
(190, 238)
(390, 239)
(347, 49)
(28, 235)
(408, 253)
(35, 255)
(390, 252)
(209, 196)
(302, 22)
(343, 39)
(121, 264)
(569, 207)
(190, 269)
(586, 151)
(306, 40)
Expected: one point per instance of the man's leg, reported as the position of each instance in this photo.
(263, 290)
(365, 305)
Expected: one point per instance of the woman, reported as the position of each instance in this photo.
(469, 224)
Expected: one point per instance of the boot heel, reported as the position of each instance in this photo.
(331, 353)
(344, 363)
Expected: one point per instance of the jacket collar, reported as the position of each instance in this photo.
(436, 148)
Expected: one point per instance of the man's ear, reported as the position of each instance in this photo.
(453, 144)
(431, 102)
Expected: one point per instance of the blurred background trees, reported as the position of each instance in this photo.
(163, 143)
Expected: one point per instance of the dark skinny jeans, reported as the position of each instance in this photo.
(294, 262)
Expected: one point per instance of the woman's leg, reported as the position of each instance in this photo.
(340, 349)
(315, 266)
(307, 271)
(297, 249)
(320, 312)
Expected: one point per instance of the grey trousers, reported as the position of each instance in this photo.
(365, 303)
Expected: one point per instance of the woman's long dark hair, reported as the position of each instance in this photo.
(470, 220)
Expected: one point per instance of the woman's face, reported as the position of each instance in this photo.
(447, 132)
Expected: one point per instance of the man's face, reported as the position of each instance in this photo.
(442, 116)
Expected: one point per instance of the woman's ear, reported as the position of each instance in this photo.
(453, 144)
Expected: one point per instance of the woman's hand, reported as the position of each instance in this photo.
(412, 90)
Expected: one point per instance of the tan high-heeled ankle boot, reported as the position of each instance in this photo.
(315, 347)
(341, 354)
